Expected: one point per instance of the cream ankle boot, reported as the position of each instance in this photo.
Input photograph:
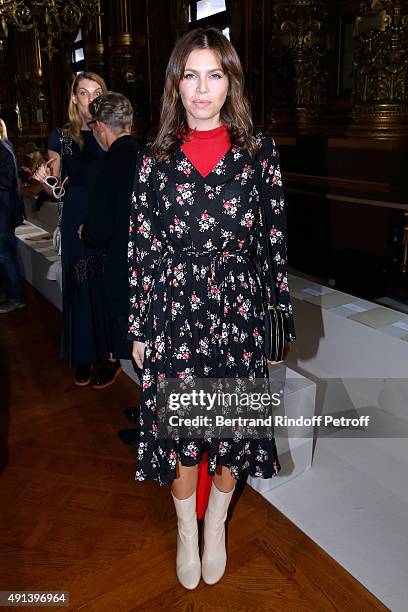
(215, 555)
(188, 563)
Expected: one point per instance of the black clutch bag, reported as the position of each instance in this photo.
(274, 335)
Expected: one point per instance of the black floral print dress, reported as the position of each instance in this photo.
(196, 297)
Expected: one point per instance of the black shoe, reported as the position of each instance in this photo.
(10, 305)
(129, 436)
(107, 375)
(132, 414)
(83, 375)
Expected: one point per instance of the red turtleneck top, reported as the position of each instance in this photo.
(205, 148)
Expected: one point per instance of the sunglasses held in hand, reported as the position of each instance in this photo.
(58, 191)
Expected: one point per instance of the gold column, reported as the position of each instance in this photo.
(127, 55)
(298, 66)
(32, 84)
(179, 17)
(94, 44)
(380, 95)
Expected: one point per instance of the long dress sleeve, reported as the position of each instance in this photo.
(274, 206)
(144, 247)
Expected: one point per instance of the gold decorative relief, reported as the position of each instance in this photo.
(50, 17)
(380, 94)
(298, 62)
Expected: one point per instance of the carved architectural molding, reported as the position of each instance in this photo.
(299, 76)
(380, 95)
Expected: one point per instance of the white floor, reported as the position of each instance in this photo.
(355, 515)
(353, 501)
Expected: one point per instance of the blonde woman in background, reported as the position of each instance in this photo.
(71, 151)
(10, 216)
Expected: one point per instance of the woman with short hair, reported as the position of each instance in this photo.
(197, 302)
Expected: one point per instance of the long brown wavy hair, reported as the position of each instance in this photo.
(74, 126)
(235, 113)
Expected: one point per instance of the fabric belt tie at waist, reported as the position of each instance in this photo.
(205, 254)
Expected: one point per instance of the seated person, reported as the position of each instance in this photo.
(28, 185)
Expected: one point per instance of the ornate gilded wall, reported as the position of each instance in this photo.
(380, 95)
(295, 55)
(127, 43)
(327, 78)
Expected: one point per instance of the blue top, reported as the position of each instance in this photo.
(75, 161)
(10, 199)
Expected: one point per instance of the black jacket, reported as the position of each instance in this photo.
(10, 199)
(109, 186)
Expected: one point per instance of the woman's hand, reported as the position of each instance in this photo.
(285, 354)
(138, 353)
(41, 175)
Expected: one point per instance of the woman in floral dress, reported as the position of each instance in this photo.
(197, 301)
